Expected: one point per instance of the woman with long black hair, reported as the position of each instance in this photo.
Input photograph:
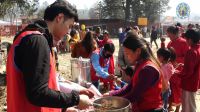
(144, 91)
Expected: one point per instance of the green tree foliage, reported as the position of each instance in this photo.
(40, 12)
(130, 10)
(30, 8)
(107, 9)
(6, 5)
(112, 9)
(25, 7)
(152, 9)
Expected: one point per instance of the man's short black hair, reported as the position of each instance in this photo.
(60, 6)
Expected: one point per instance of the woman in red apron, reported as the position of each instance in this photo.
(144, 90)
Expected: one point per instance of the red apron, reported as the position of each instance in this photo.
(16, 95)
(151, 99)
(110, 71)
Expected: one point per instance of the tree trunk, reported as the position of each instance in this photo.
(127, 11)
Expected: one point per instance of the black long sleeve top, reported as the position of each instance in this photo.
(32, 57)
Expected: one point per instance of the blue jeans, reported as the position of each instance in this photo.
(165, 97)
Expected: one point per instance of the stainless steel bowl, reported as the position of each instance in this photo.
(112, 104)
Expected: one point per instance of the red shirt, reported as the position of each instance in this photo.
(101, 43)
(181, 47)
(191, 72)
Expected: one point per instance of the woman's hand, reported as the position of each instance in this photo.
(71, 109)
(87, 92)
(118, 81)
(84, 102)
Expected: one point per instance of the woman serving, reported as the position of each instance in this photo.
(144, 91)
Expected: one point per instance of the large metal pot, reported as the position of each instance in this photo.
(112, 104)
(80, 70)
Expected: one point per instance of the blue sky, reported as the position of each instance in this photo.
(194, 5)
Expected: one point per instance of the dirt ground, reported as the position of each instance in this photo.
(65, 71)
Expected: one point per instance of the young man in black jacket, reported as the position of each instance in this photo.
(31, 80)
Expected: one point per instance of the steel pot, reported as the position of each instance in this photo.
(80, 70)
(112, 104)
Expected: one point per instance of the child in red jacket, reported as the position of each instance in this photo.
(191, 72)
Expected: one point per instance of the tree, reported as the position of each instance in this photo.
(18, 7)
(127, 9)
(112, 9)
(94, 11)
(6, 5)
(30, 8)
(40, 12)
(132, 9)
(152, 9)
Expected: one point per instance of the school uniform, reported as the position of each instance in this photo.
(190, 78)
(181, 47)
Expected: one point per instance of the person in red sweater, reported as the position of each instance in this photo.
(102, 67)
(106, 39)
(190, 76)
(180, 46)
(144, 89)
(101, 43)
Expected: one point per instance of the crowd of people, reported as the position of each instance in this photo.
(151, 81)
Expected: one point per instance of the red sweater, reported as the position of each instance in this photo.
(144, 90)
(191, 72)
(181, 47)
(101, 43)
